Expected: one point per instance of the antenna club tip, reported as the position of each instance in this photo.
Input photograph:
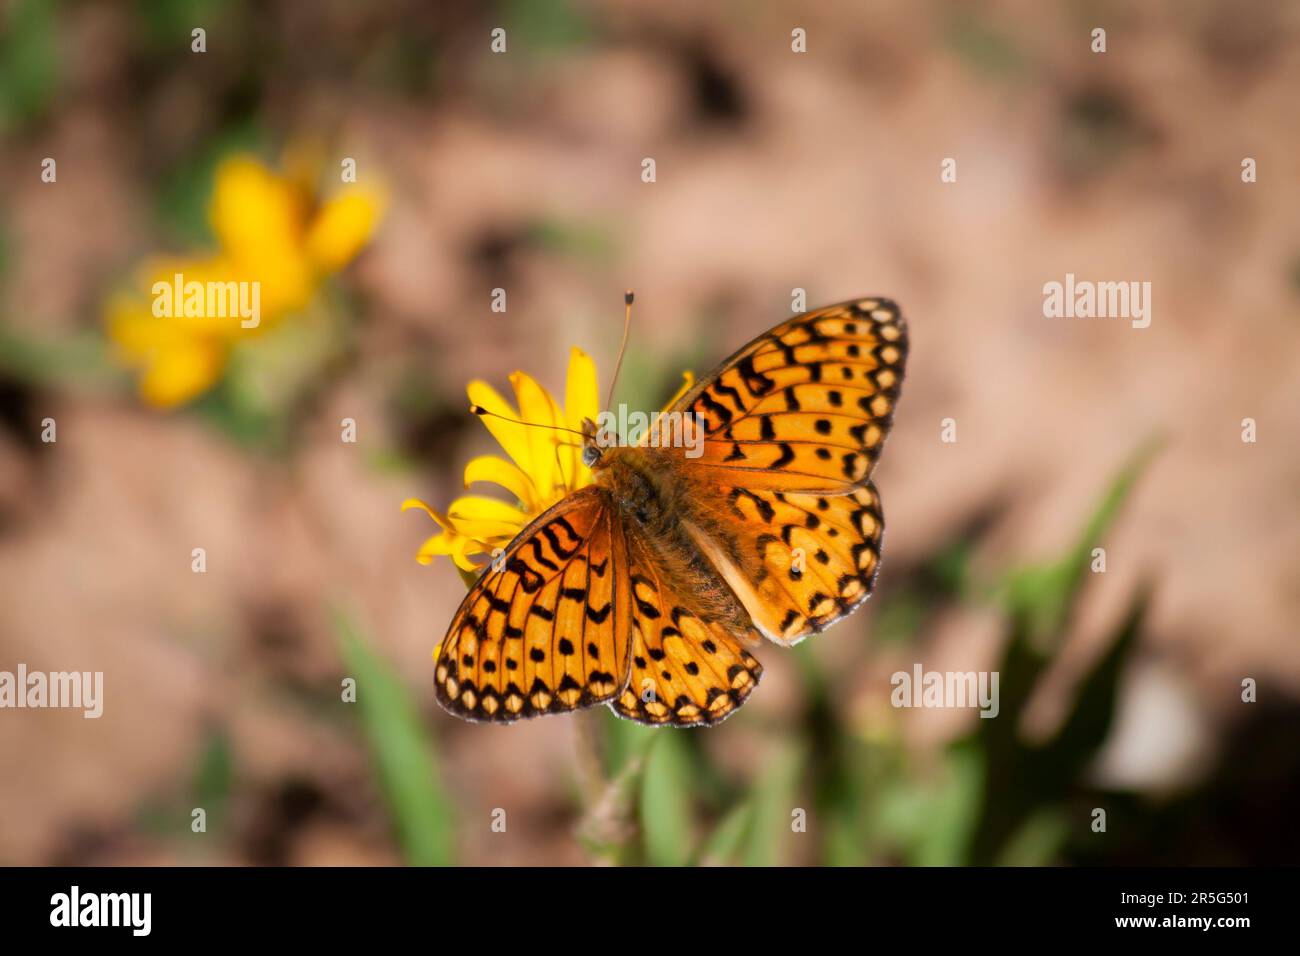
(477, 410)
(628, 296)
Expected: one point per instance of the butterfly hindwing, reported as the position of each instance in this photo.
(810, 559)
(549, 631)
(805, 406)
(685, 670)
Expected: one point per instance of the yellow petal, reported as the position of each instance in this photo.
(253, 209)
(537, 407)
(581, 400)
(512, 437)
(688, 382)
(509, 476)
(342, 226)
(181, 372)
(260, 220)
(462, 559)
(445, 542)
(410, 503)
(482, 518)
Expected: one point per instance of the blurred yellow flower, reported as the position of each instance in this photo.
(545, 464)
(277, 241)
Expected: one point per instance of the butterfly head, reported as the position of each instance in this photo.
(591, 450)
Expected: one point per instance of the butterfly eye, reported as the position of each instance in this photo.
(590, 455)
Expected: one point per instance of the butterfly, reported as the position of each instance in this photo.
(647, 589)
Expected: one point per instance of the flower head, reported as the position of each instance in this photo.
(544, 464)
(274, 234)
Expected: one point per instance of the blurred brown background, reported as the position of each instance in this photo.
(775, 170)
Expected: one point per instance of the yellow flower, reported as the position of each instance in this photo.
(273, 235)
(544, 465)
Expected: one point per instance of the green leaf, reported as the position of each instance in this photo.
(75, 359)
(1038, 841)
(545, 25)
(1045, 594)
(29, 63)
(214, 778)
(723, 845)
(666, 801)
(403, 755)
(774, 802)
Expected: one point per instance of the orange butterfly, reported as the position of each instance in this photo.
(643, 589)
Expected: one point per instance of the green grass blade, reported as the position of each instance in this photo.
(403, 754)
(666, 801)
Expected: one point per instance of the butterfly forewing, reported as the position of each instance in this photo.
(806, 406)
(550, 630)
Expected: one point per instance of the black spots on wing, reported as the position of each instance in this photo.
(852, 466)
(822, 426)
(489, 667)
(530, 580)
(565, 647)
(537, 655)
(791, 399)
(790, 617)
(835, 398)
(822, 557)
(599, 569)
(765, 509)
(545, 613)
(787, 456)
(823, 454)
(692, 668)
(656, 653)
(729, 392)
(736, 454)
(535, 545)
(716, 409)
(757, 383)
(573, 594)
(640, 662)
(646, 608)
(709, 647)
(767, 431)
(514, 633)
(599, 616)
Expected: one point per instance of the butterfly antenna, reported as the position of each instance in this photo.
(627, 327)
(482, 412)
